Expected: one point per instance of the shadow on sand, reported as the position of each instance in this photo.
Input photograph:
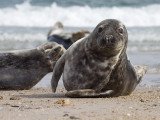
(43, 96)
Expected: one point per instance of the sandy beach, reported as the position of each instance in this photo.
(42, 104)
(24, 24)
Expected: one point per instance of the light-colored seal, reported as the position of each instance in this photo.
(63, 37)
(98, 66)
(22, 69)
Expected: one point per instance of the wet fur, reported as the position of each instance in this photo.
(90, 69)
(23, 69)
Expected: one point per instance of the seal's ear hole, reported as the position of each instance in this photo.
(120, 30)
(100, 29)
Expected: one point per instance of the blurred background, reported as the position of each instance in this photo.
(24, 24)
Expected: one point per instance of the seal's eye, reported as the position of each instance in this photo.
(100, 29)
(120, 30)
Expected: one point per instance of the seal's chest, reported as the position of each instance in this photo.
(101, 65)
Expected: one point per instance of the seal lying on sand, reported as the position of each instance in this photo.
(59, 35)
(24, 68)
(97, 66)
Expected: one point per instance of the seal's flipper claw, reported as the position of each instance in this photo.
(140, 71)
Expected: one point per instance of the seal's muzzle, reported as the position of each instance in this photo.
(109, 39)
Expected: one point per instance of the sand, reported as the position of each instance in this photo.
(42, 104)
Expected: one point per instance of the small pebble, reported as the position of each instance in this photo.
(14, 106)
(6, 104)
(65, 115)
(1, 97)
(154, 105)
(64, 102)
(14, 98)
(128, 114)
(141, 100)
(29, 108)
(73, 117)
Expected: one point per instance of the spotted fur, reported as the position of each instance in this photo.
(22, 69)
(97, 66)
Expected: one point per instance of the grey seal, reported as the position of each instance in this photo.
(22, 69)
(59, 35)
(98, 66)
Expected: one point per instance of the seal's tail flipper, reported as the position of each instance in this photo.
(140, 71)
(87, 93)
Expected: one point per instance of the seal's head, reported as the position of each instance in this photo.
(56, 29)
(109, 37)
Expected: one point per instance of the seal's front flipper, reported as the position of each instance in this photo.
(87, 93)
(140, 71)
(57, 72)
(84, 93)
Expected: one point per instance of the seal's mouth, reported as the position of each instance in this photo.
(110, 42)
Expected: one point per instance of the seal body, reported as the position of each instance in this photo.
(22, 69)
(59, 35)
(65, 42)
(97, 66)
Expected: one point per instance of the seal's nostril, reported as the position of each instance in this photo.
(109, 38)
